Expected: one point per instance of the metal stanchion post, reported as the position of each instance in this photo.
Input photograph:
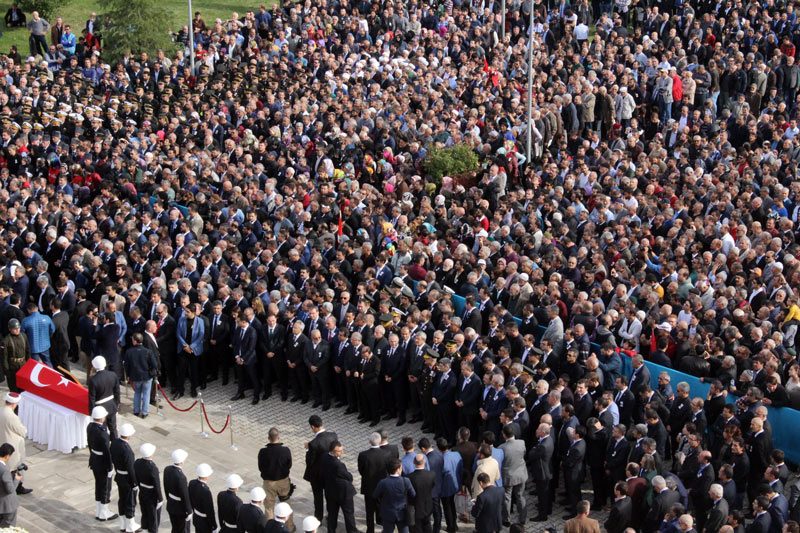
(158, 400)
(230, 414)
(202, 422)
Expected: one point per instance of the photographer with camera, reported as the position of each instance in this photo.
(9, 481)
(14, 432)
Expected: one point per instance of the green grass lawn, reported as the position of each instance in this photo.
(75, 13)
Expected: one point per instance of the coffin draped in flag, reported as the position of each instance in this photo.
(41, 380)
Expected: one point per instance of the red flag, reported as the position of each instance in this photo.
(485, 64)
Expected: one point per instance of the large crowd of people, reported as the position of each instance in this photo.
(267, 218)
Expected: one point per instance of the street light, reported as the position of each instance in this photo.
(191, 37)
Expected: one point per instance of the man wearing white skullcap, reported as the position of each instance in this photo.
(150, 496)
(251, 515)
(179, 506)
(205, 519)
(99, 442)
(229, 503)
(104, 390)
(123, 459)
(13, 431)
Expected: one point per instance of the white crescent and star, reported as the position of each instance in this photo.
(38, 382)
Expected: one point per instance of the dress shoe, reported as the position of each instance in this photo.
(203, 386)
(177, 396)
(374, 423)
(595, 507)
(224, 381)
(209, 379)
(145, 416)
(316, 404)
(284, 397)
(415, 419)
(295, 399)
(388, 417)
(304, 401)
(539, 519)
(22, 490)
(400, 423)
(237, 397)
(265, 396)
(341, 404)
(506, 523)
(326, 407)
(349, 411)
(255, 401)
(194, 394)
(568, 516)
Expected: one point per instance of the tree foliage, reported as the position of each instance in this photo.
(135, 25)
(46, 8)
(452, 161)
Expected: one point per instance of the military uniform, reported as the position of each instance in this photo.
(150, 496)
(228, 504)
(427, 379)
(104, 390)
(100, 460)
(179, 507)
(15, 354)
(204, 518)
(251, 519)
(123, 459)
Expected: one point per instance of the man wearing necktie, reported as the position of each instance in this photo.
(244, 352)
(415, 369)
(393, 380)
(219, 345)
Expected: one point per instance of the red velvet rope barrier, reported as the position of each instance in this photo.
(164, 395)
(205, 414)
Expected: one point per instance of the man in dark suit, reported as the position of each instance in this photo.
(472, 316)
(394, 493)
(718, 513)
(443, 397)
(640, 375)
(167, 338)
(394, 381)
(539, 462)
(59, 341)
(339, 489)
(663, 500)
(297, 345)
(366, 372)
(468, 398)
(625, 400)
(698, 494)
(372, 464)
(244, 354)
(274, 368)
(316, 449)
(317, 361)
(219, 352)
(619, 518)
(106, 336)
(762, 521)
(488, 508)
(574, 469)
(778, 507)
(616, 455)
(423, 482)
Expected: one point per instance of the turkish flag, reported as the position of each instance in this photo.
(41, 380)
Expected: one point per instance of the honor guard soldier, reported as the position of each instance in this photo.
(228, 504)
(204, 518)
(104, 390)
(99, 442)
(251, 516)
(150, 496)
(123, 459)
(179, 507)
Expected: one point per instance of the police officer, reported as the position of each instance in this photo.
(104, 390)
(123, 459)
(100, 463)
(228, 504)
(204, 518)
(179, 506)
(150, 496)
(251, 516)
